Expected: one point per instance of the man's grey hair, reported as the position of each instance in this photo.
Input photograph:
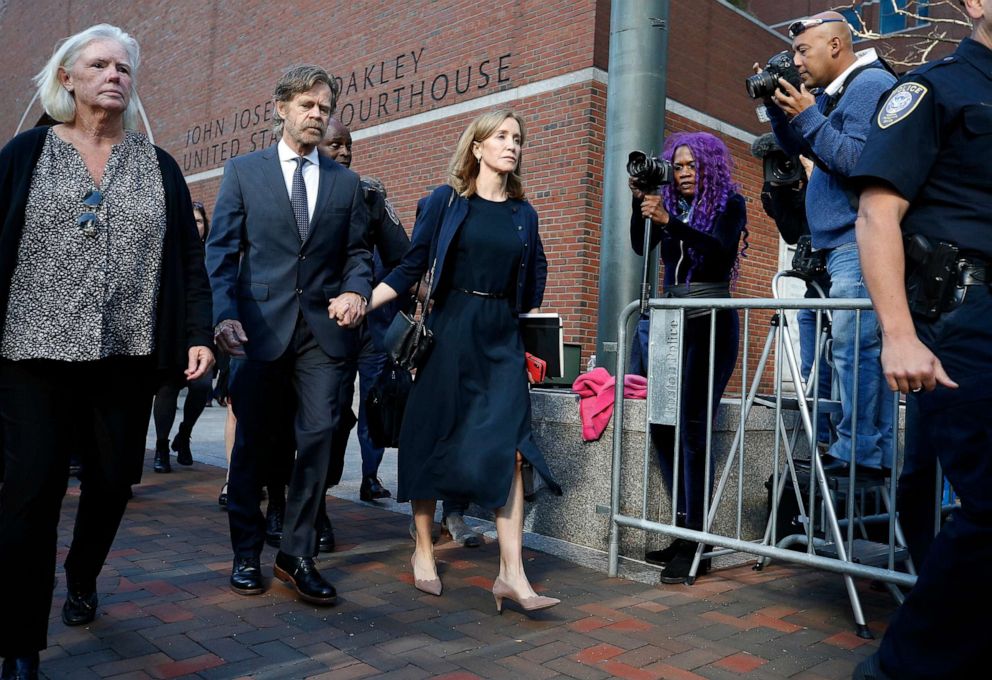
(297, 80)
(56, 100)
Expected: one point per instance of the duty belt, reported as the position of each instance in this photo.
(972, 273)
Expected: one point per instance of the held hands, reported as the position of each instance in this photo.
(348, 309)
(910, 366)
(230, 337)
(201, 360)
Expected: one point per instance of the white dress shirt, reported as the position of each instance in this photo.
(311, 173)
(864, 57)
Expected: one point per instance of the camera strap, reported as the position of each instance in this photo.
(834, 99)
(830, 104)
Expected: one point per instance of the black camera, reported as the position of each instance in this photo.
(808, 263)
(765, 83)
(781, 168)
(649, 173)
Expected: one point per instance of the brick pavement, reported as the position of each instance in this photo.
(166, 610)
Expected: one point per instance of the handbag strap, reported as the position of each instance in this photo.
(422, 319)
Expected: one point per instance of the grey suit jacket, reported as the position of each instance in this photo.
(264, 276)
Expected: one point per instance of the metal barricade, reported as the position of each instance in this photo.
(836, 546)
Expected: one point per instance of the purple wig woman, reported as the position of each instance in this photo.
(714, 185)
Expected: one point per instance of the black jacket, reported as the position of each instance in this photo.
(184, 292)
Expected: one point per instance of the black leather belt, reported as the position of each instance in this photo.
(482, 294)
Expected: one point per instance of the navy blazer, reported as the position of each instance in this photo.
(264, 276)
(442, 213)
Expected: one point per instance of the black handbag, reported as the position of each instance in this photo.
(385, 403)
(408, 341)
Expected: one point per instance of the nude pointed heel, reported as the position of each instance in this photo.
(430, 586)
(530, 604)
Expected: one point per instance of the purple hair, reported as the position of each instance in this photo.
(714, 186)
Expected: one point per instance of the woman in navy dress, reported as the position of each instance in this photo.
(466, 434)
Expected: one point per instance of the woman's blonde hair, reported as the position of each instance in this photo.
(61, 105)
(464, 168)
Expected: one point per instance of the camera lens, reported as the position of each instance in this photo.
(760, 85)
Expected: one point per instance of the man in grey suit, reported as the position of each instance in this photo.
(289, 239)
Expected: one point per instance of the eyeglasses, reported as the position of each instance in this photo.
(87, 221)
(801, 26)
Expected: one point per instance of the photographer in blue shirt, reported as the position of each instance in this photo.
(830, 127)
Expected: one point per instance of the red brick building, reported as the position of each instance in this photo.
(413, 74)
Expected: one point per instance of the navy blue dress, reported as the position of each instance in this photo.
(469, 409)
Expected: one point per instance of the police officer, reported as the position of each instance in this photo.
(927, 176)
(391, 243)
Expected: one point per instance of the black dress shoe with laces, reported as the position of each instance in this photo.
(20, 667)
(80, 607)
(372, 490)
(246, 576)
(302, 575)
(325, 534)
(273, 525)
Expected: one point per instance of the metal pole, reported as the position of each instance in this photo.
(635, 114)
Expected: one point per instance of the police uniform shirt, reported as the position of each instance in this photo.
(931, 142)
(386, 232)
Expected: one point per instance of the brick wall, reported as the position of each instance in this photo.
(209, 68)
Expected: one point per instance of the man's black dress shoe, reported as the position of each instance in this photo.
(372, 490)
(273, 525)
(20, 667)
(246, 576)
(325, 534)
(302, 574)
(79, 608)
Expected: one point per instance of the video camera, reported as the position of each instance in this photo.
(780, 168)
(764, 84)
(649, 173)
(783, 195)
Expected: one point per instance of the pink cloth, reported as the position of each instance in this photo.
(595, 390)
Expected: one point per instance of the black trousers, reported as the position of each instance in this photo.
(941, 630)
(167, 399)
(315, 379)
(693, 484)
(47, 408)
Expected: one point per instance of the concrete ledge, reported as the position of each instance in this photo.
(581, 517)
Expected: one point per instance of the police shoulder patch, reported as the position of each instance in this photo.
(391, 211)
(902, 101)
(373, 184)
